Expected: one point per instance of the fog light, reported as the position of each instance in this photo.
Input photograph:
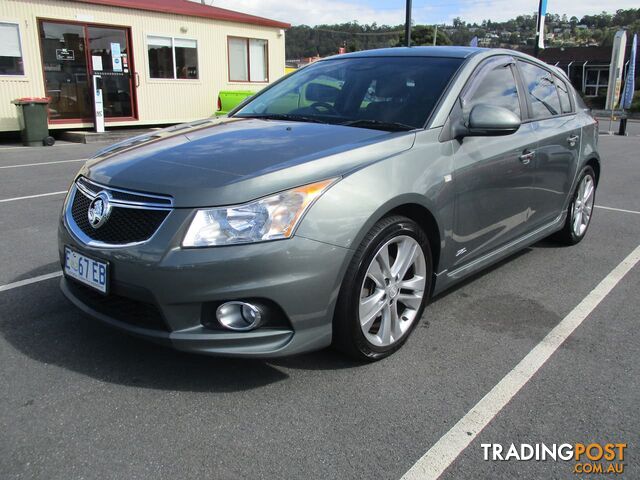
(239, 316)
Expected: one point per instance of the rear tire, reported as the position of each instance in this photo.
(384, 291)
(580, 209)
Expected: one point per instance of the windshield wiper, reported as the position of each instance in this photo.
(378, 125)
(283, 116)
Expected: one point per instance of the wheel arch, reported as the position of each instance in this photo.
(423, 217)
(594, 162)
(413, 207)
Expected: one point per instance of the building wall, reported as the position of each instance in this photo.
(159, 100)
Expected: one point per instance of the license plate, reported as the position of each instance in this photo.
(86, 270)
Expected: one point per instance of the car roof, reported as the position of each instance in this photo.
(444, 52)
(439, 52)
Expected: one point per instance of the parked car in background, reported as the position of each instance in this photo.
(331, 206)
(230, 99)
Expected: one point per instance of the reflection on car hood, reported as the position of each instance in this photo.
(221, 162)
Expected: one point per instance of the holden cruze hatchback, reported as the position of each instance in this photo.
(331, 206)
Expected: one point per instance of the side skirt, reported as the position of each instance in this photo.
(446, 279)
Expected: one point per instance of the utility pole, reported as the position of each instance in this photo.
(407, 25)
(435, 35)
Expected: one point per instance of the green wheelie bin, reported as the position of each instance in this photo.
(33, 119)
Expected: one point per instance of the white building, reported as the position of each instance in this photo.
(160, 61)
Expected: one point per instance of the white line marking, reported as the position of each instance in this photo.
(618, 209)
(29, 281)
(31, 196)
(444, 452)
(43, 163)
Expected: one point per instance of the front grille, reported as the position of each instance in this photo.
(125, 225)
(126, 310)
(123, 196)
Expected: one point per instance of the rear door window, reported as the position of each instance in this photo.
(563, 92)
(541, 91)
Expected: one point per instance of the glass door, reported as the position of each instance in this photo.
(71, 54)
(109, 54)
(66, 79)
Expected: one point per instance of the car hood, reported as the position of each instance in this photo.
(222, 162)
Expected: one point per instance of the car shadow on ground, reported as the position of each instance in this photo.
(36, 272)
(39, 322)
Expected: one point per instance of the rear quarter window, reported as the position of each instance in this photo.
(563, 93)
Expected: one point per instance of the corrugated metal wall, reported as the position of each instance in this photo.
(159, 101)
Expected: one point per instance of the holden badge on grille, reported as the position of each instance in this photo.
(99, 210)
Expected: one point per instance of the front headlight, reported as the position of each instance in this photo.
(270, 218)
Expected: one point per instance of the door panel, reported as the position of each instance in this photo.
(493, 192)
(555, 165)
(493, 175)
(558, 132)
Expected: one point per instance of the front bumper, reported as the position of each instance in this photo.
(165, 293)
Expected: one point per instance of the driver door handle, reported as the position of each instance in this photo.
(527, 156)
(572, 140)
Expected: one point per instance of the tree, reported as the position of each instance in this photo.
(323, 40)
(423, 35)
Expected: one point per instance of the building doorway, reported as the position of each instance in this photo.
(71, 54)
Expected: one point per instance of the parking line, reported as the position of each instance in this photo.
(43, 163)
(618, 209)
(444, 452)
(32, 196)
(29, 281)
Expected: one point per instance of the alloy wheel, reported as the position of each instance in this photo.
(583, 205)
(392, 291)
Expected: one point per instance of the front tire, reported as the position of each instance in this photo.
(384, 291)
(580, 209)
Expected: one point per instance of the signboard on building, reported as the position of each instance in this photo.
(65, 54)
(116, 57)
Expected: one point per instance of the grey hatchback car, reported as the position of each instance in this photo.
(330, 207)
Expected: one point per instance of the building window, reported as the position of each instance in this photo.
(10, 50)
(596, 82)
(172, 57)
(248, 60)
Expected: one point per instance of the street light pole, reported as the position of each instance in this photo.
(407, 25)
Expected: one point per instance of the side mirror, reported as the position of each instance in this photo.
(490, 120)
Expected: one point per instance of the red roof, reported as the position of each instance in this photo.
(190, 9)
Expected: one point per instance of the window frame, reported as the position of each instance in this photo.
(597, 86)
(568, 86)
(173, 39)
(247, 41)
(487, 66)
(17, 76)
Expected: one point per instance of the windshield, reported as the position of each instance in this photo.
(388, 93)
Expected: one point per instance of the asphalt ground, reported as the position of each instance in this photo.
(79, 400)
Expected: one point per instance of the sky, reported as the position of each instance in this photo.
(391, 12)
